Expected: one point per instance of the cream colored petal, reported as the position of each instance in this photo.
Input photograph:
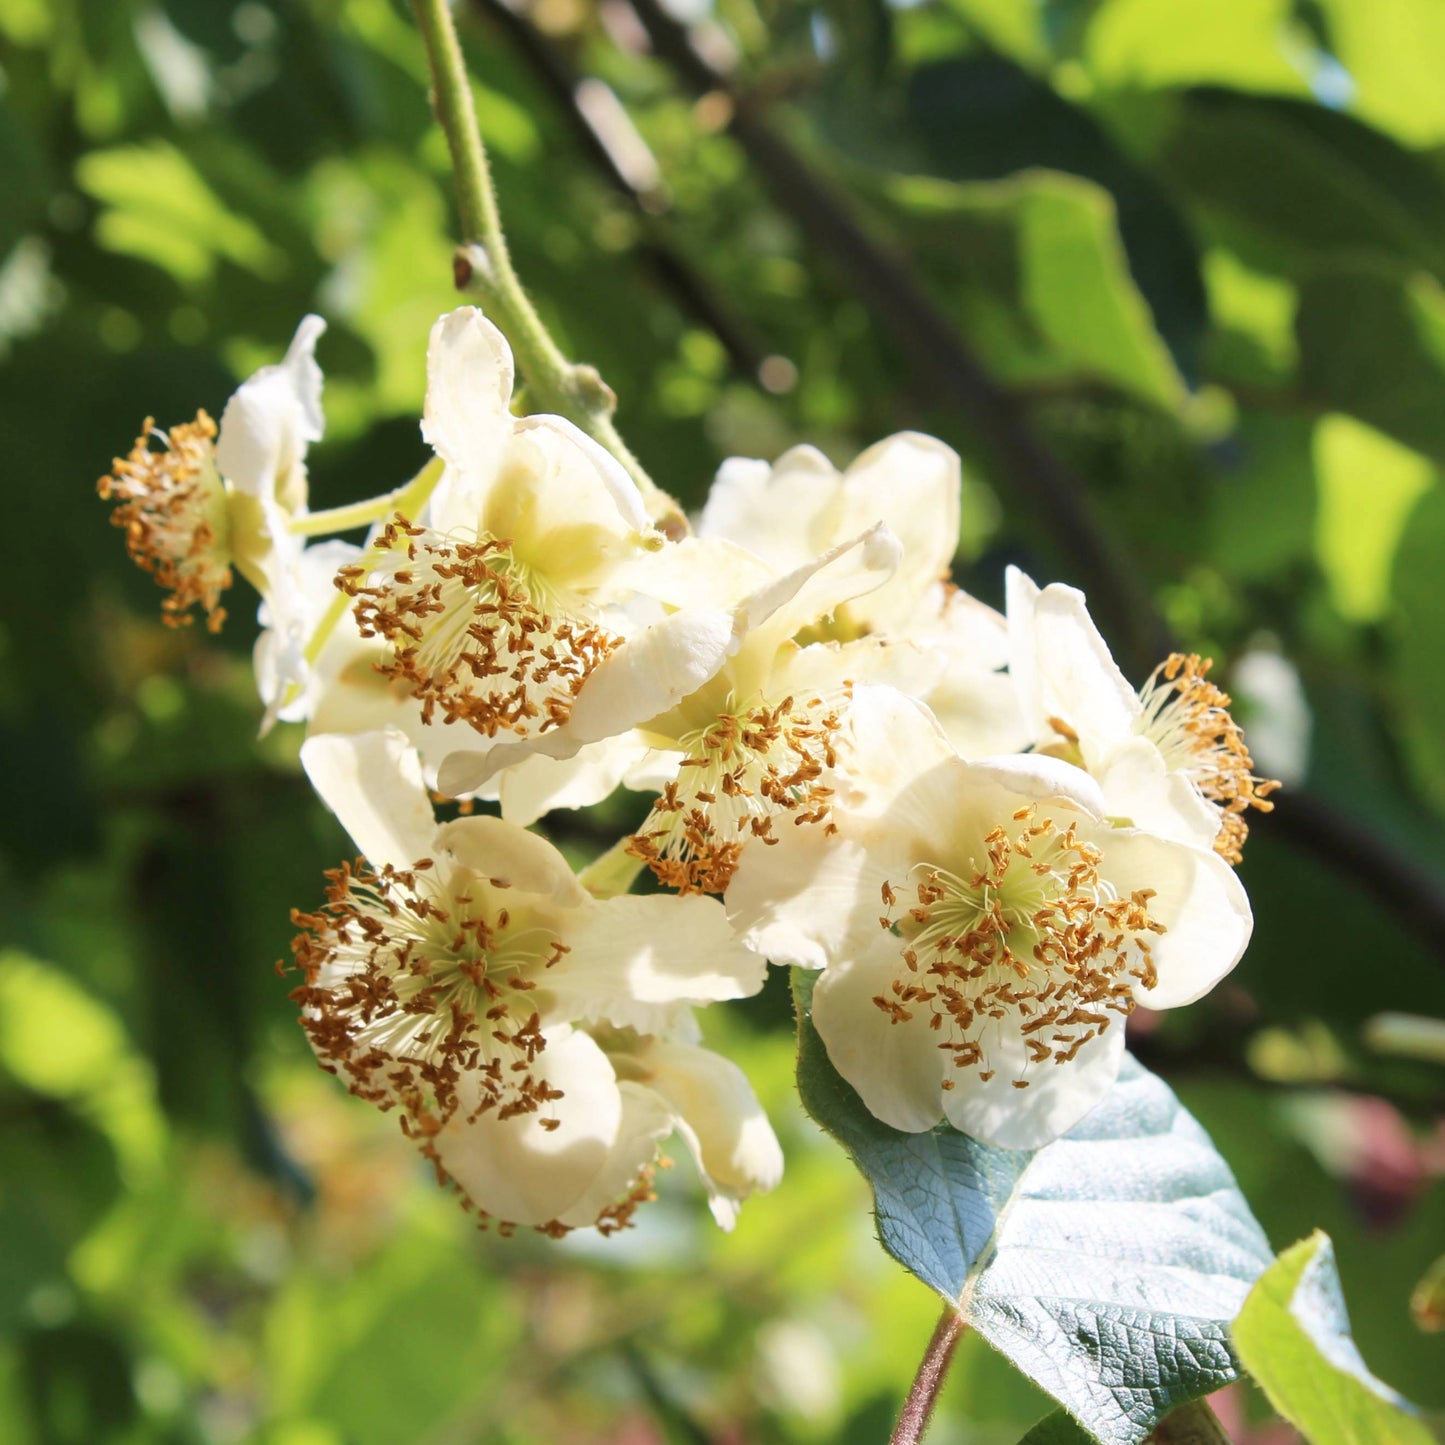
(912, 483)
(719, 1119)
(796, 902)
(1063, 669)
(1199, 900)
(785, 514)
(373, 783)
(896, 1068)
(697, 572)
(538, 784)
(648, 674)
(647, 1119)
(1057, 1097)
(522, 860)
(469, 376)
(270, 420)
(573, 443)
(516, 1170)
(633, 960)
(773, 614)
(1139, 788)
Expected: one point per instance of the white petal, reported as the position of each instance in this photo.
(1138, 786)
(646, 1119)
(913, 483)
(1063, 668)
(270, 420)
(468, 392)
(373, 783)
(538, 784)
(795, 902)
(516, 1170)
(494, 849)
(698, 572)
(647, 675)
(633, 960)
(1057, 1097)
(620, 489)
(774, 613)
(720, 1121)
(1199, 900)
(785, 514)
(897, 1068)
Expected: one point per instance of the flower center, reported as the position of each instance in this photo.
(173, 509)
(1030, 940)
(473, 632)
(740, 773)
(412, 981)
(1187, 718)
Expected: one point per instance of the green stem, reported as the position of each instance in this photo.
(406, 499)
(918, 1407)
(484, 268)
(612, 873)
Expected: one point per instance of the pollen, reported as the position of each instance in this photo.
(478, 637)
(413, 984)
(740, 778)
(1028, 938)
(172, 505)
(1187, 717)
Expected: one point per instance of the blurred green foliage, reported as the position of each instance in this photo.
(1198, 244)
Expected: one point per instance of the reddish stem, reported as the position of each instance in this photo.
(918, 1407)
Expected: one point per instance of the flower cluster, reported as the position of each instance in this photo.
(991, 845)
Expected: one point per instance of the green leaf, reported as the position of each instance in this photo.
(1106, 1266)
(1293, 1336)
(1418, 590)
(1372, 343)
(1043, 283)
(160, 209)
(1192, 1424)
(1306, 182)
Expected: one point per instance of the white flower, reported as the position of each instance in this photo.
(983, 930)
(206, 501)
(454, 975)
(494, 605)
(1168, 758)
(950, 650)
(743, 714)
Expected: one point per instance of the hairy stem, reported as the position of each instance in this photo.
(923, 1396)
(484, 269)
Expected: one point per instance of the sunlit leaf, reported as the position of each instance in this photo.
(1107, 1266)
(1293, 1336)
(1368, 485)
(159, 208)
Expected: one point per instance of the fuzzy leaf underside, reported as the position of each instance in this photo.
(1106, 1266)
